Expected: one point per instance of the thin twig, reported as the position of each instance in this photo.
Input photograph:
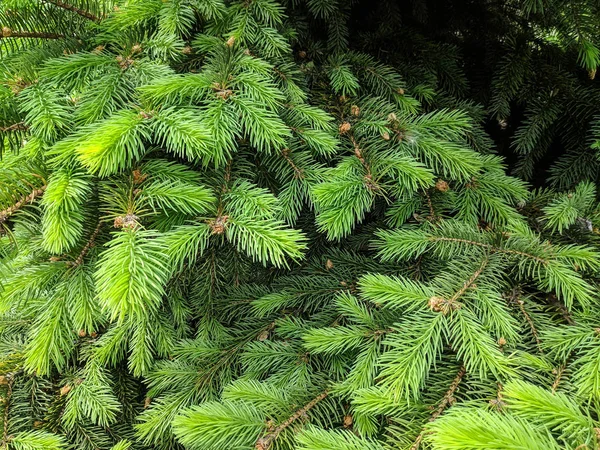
(447, 400)
(265, 442)
(8, 33)
(490, 247)
(469, 282)
(74, 9)
(87, 247)
(521, 304)
(5, 214)
(14, 127)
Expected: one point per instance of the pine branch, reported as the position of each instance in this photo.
(4, 215)
(7, 32)
(265, 442)
(447, 401)
(74, 9)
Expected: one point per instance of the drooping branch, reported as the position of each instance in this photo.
(74, 9)
(266, 442)
(447, 401)
(5, 214)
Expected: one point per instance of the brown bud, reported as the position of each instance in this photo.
(38, 424)
(127, 221)
(218, 224)
(442, 185)
(435, 302)
(345, 127)
(263, 336)
(147, 402)
(94, 335)
(82, 333)
(501, 342)
(6, 32)
(440, 304)
(348, 420)
(392, 117)
(400, 91)
(3, 379)
(354, 110)
(98, 49)
(136, 48)
(385, 136)
(65, 389)
(329, 264)
(302, 54)
(138, 176)
(230, 41)
(186, 50)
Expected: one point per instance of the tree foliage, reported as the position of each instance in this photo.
(311, 225)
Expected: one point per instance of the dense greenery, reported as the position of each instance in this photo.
(307, 224)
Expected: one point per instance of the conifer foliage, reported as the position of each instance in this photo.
(278, 225)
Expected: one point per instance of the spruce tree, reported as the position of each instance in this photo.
(310, 225)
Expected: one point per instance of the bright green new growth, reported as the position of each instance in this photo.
(267, 225)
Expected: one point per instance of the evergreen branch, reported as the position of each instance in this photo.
(447, 401)
(7, 32)
(265, 442)
(5, 214)
(74, 9)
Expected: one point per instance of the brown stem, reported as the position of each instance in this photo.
(469, 282)
(5, 437)
(74, 9)
(265, 442)
(7, 32)
(4, 215)
(447, 401)
(557, 379)
(87, 247)
(491, 248)
(515, 298)
(14, 127)
(298, 172)
(430, 205)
